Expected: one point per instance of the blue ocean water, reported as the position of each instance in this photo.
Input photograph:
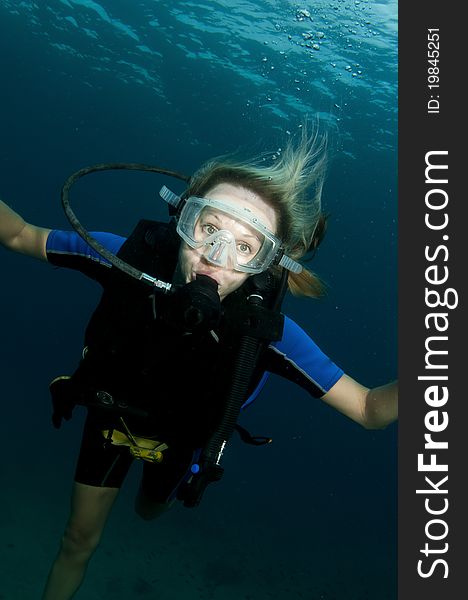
(313, 515)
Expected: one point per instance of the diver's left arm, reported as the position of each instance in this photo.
(373, 408)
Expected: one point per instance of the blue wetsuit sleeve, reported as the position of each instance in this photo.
(68, 249)
(297, 357)
(299, 350)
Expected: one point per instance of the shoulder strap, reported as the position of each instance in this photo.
(152, 247)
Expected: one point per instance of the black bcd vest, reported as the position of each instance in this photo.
(137, 358)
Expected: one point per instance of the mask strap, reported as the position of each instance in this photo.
(170, 197)
(290, 264)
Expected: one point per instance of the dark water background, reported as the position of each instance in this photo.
(172, 83)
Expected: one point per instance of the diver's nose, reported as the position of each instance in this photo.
(217, 252)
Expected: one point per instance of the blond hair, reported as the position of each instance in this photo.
(292, 185)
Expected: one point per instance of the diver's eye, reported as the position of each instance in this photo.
(244, 248)
(209, 229)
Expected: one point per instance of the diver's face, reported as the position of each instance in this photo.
(192, 262)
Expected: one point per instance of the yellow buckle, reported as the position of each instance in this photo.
(146, 454)
(140, 448)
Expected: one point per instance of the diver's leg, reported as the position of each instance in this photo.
(160, 482)
(149, 509)
(90, 508)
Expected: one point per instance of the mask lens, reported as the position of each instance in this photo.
(244, 241)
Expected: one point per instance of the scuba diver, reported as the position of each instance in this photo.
(203, 292)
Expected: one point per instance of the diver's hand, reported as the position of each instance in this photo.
(195, 306)
(63, 400)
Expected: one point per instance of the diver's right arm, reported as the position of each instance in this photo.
(22, 237)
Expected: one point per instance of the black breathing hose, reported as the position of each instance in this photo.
(112, 258)
(244, 367)
(241, 375)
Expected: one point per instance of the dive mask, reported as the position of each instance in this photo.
(228, 236)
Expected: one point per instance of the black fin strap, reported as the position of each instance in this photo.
(256, 440)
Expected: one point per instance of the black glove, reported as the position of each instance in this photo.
(63, 399)
(194, 307)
